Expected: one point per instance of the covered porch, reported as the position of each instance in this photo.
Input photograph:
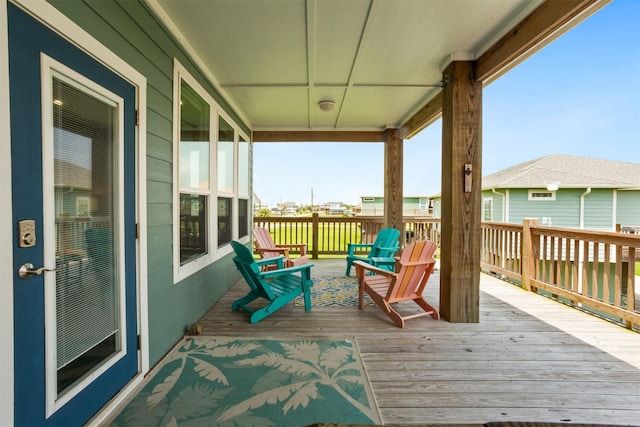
(528, 359)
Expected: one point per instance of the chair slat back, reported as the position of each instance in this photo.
(412, 278)
(386, 238)
(263, 240)
(247, 266)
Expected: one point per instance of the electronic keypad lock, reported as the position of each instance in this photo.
(26, 233)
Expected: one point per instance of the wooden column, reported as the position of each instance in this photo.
(461, 194)
(393, 180)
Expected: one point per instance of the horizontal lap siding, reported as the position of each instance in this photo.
(628, 208)
(563, 212)
(598, 210)
(129, 29)
(498, 202)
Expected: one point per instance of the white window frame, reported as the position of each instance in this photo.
(239, 192)
(533, 198)
(51, 68)
(487, 201)
(181, 272)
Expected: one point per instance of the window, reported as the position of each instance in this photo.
(542, 195)
(487, 209)
(243, 187)
(194, 173)
(226, 163)
(82, 206)
(423, 204)
(211, 176)
(243, 217)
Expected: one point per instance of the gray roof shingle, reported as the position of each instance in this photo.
(566, 171)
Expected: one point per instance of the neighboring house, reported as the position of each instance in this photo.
(288, 208)
(411, 206)
(564, 191)
(336, 208)
(72, 190)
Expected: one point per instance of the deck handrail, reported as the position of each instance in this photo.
(562, 263)
(592, 270)
(329, 235)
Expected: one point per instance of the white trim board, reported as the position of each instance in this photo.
(6, 231)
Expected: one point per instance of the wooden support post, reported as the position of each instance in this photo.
(461, 194)
(530, 245)
(393, 180)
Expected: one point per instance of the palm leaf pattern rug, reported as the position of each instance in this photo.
(207, 381)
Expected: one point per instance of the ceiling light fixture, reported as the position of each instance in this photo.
(326, 105)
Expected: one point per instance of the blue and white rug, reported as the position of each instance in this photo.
(335, 291)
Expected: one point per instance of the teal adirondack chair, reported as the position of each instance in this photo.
(385, 246)
(278, 287)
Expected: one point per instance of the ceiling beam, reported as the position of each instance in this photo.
(318, 136)
(538, 29)
(428, 114)
(534, 32)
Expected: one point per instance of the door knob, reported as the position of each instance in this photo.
(27, 270)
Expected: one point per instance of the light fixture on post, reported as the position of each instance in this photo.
(326, 105)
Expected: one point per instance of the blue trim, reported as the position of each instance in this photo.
(27, 38)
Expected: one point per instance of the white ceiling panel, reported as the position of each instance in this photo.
(379, 60)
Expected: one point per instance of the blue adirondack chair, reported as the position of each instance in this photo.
(385, 246)
(278, 287)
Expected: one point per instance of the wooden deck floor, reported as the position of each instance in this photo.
(529, 359)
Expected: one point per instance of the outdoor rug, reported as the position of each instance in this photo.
(334, 291)
(208, 381)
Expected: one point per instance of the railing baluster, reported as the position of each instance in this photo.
(594, 271)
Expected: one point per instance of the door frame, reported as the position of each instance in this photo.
(58, 22)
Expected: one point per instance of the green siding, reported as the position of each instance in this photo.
(562, 212)
(498, 202)
(628, 208)
(565, 210)
(598, 210)
(375, 207)
(130, 30)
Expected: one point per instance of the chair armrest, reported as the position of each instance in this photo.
(276, 260)
(283, 251)
(361, 266)
(351, 247)
(425, 262)
(391, 249)
(302, 247)
(360, 245)
(283, 271)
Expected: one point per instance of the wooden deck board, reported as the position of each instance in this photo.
(529, 359)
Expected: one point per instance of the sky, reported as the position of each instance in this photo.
(579, 95)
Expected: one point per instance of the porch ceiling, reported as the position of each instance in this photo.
(380, 61)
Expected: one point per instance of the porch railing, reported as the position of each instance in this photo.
(590, 270)
(329, 235)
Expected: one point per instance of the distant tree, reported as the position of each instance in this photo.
(263, 213)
